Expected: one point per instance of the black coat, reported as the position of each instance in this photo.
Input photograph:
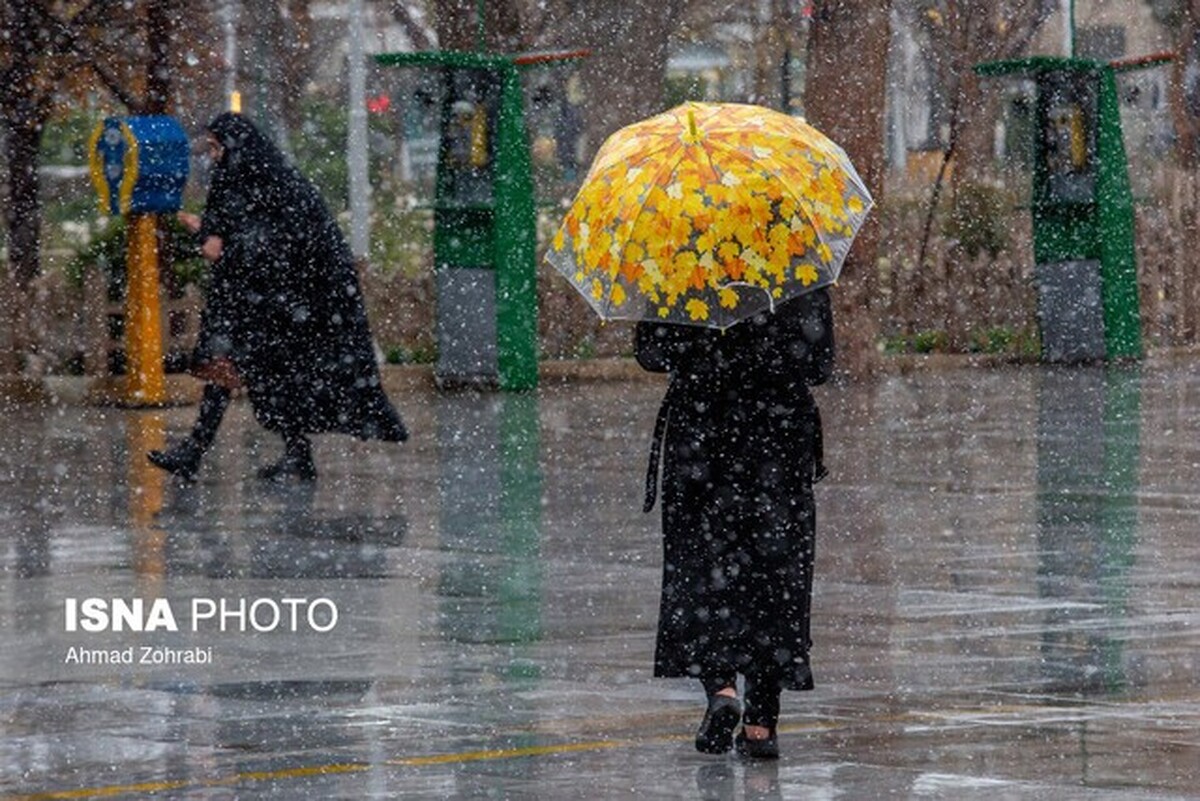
(284, 301)
(741, 450)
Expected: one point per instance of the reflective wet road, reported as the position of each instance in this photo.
(1007, 602)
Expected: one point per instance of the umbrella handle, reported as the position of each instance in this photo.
(770, 297)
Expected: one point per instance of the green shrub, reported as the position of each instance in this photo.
(417, 354)
(919, 342)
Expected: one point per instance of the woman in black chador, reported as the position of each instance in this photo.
(740, 436)
(284, 307)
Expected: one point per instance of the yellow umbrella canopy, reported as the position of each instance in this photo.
(709, 213)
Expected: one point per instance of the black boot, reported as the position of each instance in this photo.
(183, 459)
(297, 461)
(757, 749)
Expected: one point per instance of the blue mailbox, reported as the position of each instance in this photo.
(139, 164)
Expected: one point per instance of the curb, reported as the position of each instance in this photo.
(185, 390)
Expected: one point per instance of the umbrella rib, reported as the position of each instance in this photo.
(667, 167)
(641, 156)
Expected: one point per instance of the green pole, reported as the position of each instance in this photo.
(1114, 231)
(515, 242)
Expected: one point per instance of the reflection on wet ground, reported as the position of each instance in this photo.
(1006, 602)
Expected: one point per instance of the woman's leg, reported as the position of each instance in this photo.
(183, 459)
(297, 459)
(763, 689)
(757, 739)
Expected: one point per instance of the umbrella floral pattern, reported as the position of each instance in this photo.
(709, 213)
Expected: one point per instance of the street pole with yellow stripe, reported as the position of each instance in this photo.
(145, 380)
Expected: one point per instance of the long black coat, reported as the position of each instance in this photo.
(741, 450)
(285, 301)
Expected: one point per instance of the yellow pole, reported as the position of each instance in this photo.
(145, 384)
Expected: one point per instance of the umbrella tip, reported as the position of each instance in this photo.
(692, 124)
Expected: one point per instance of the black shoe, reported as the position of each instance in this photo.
(715, 735)
(183, 459)
(297, 462)
(757, 749)
(289, 467)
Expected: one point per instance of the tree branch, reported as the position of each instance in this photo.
(416, 32)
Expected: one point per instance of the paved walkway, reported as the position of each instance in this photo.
(1006, 602)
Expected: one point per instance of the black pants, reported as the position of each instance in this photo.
(761, 702)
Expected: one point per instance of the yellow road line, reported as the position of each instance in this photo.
(507, 753)
(158, 787)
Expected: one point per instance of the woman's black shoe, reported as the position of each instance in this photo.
(757, 749)
(183, 460)
(715, 735)
(297, 462)
(289, 467)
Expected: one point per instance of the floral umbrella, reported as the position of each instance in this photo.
(709, 213)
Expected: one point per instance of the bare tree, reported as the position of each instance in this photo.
(844, 98)
(51, 54)
(628, 43)
(966, 33)
(459, 26)
(1183, 18)
(624, 79)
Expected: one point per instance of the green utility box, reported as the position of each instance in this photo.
(484, 238)
(1083, 224)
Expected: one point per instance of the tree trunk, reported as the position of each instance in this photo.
(22, 120)
(844, 98)
(160, 16)
(23, 211)
(1185, 98)
(623, 78)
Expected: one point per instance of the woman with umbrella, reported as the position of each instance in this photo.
(740, 435)
(285, 309)
(719, 227)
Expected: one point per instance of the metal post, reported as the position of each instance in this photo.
(1116, 235)
(1069, 28)
(360, 187)
(480, 32)
(515, 243)
(145, 382)
(229, 22)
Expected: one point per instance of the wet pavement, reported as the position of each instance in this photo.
(1007, 602)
